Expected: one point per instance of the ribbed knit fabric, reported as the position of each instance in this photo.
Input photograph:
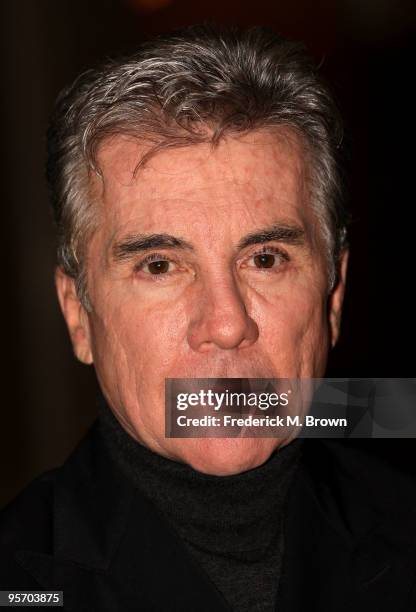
(231, 525)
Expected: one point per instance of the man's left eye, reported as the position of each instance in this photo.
(265, 260)
(268, 259)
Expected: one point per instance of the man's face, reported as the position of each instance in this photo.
(191, 275)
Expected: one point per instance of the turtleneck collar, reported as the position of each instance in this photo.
(236, 516)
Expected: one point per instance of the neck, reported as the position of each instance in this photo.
(223, 513)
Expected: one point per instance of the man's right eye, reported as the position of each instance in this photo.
(156, 265)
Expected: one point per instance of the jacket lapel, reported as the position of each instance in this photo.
(338, 553)
(111, 549)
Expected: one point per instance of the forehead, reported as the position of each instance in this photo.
(261, 176)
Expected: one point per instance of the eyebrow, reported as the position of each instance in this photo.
(288, 234)
(137, 243)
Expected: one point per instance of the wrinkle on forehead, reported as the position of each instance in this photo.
(246, 176)
(118, 158)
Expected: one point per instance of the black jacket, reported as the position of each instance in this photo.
(350, 539)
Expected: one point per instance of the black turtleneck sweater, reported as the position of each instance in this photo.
(231, 525)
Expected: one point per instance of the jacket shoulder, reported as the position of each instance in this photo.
(26, 524)
(359, 479)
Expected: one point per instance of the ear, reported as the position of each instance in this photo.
(75, 316)
(336, 298)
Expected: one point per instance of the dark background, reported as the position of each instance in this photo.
(367, 50)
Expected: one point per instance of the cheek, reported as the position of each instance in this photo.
(293, 331)
(131, 338)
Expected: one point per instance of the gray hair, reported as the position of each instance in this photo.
(192, 86)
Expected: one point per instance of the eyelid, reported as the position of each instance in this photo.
(162, 257)
(270, 249)
(152, 257)
(148, 259)
(284, 257)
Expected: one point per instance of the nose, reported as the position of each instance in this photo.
(220, 318)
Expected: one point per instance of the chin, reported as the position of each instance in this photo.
(227, 456)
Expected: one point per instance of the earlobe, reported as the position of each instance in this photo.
(75, 316)
(336, 298)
